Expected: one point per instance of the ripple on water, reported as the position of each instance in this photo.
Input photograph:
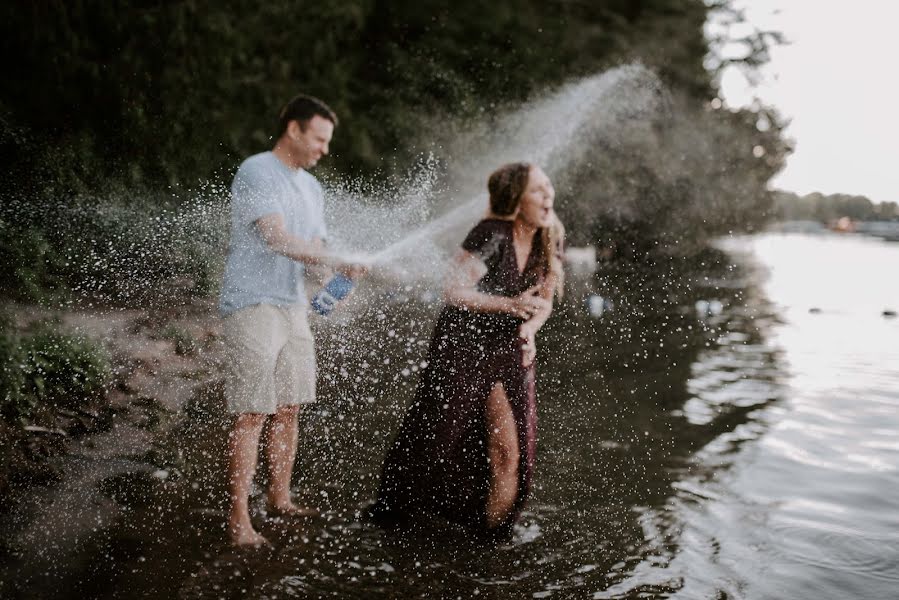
(839, 549)
(831, 461)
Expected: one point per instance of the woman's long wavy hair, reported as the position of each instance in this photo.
(506, 185)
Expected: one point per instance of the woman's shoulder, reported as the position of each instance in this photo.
(491, 226)
(489, 231)
(494, 224)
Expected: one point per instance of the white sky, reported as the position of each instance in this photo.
(837, 81)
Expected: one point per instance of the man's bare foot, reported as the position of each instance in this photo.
(247, 537)
(289, 509)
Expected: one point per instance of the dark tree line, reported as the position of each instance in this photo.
(116, 111)
(170, 91)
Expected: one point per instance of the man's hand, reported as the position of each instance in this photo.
(352, 270)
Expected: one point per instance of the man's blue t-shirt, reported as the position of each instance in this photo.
(254, 274)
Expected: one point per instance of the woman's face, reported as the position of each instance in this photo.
(536, 205)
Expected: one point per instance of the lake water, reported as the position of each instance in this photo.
(752, 453)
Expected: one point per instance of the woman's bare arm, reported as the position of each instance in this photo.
(460, 290)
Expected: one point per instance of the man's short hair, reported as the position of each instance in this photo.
(301, 108)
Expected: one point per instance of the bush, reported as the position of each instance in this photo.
(115, 250)
(185, 343)
(14, 404)
(30, 265)
(49, 369)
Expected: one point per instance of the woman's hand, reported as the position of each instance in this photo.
(528, 303)
(527, 337)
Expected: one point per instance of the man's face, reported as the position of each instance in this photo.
(311, 143)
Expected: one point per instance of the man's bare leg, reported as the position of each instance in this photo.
(502, 450)
(282, 452)
(243, 454)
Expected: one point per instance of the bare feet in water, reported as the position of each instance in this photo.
(289, 509)
(244, 536)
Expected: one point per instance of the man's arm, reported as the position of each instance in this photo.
(311, 252)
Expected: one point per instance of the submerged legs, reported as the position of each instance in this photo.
(503, 454)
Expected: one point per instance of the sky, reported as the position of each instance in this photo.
(836, 81)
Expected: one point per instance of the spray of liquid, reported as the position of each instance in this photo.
(408, 236)
(130, 251)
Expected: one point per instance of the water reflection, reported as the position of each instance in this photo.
(804, 511)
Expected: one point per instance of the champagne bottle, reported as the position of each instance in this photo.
(336, 289)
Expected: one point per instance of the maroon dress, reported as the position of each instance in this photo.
(438, 463)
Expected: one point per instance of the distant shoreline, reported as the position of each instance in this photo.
(887, 230)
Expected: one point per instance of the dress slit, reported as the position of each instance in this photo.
(518, 446)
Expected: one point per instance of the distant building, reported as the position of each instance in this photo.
(843, 225)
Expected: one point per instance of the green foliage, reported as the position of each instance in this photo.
(30, 265)
(49, 368)
(118, 249)
(172, 92)
(15, 404)
(674, 182)
(102, 101)
(185, 343)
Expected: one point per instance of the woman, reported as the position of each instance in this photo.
(465, 450)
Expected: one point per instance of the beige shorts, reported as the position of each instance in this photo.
(270, 358)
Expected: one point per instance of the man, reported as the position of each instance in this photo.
(277, 228)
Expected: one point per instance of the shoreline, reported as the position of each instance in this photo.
(45, 520)
(149, 493)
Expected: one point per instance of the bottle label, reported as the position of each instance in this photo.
(337, 288)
